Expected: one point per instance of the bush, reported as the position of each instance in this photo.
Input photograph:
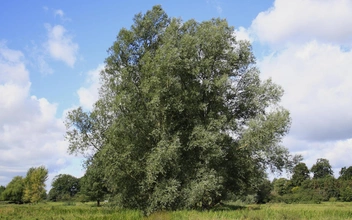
(299, 196)
(346, 194)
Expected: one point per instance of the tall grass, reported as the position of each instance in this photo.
(63, 211)
(336, 210)
(268, 211)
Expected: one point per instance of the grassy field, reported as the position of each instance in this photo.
(268, 211)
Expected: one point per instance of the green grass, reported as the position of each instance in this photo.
(268, 211)
(65, 211)
(68, 211)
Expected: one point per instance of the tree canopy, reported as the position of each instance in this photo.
(2, 189)
(183, 117)
(346, 173)
(14, 190)
(34, 184)
(321, 169)
(300, 174)
(92, 183)
(28, 189)
(64, 187)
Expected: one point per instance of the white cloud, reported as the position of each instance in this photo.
(243, 34)
(60, 45)
(317, 79)
(89, 94)
(304, 20)
(30, 134)
(59, 13)
(310, 58)
(11, 67)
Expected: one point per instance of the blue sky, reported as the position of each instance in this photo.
(51, 54)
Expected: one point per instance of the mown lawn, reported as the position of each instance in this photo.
(67, 211)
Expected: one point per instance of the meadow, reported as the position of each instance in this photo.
(70, 211)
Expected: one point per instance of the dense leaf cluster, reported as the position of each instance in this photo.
(64, 187)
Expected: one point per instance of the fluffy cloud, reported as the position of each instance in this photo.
(89, 94)
(243, 34)
(317, 79)
(12, 69)
(302, 20)
(60, 45)
(30, 134)
(310, 58)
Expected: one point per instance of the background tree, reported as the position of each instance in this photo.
(93, 184)
(183, 117)
(2, 189)
(14, 190)
(345, 190)
(327, 187)
(282, 186)
(264, 191)
(34, 184)
(64, 186)
(300, 174)
(346, 173)
(321, 169)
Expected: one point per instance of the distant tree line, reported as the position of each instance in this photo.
(316, 184)
(29, 189)
(90, 187)
(64, 187)
(312, 185)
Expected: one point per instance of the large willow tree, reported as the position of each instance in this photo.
(183, 117)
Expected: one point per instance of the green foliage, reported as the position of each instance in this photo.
(64, 187)
(81, 197)
(2, 189)
(321, 169)
(346, 194)
(93, 185)
(183, 118)
(282, 186)
(310, 190)
(346, 190)
(264, 191)
(300, 174)
(300, 196)
(346, 173)
(328, 186)
(34, 184)
(14, 190)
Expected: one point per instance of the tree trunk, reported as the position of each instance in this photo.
(98, 203)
